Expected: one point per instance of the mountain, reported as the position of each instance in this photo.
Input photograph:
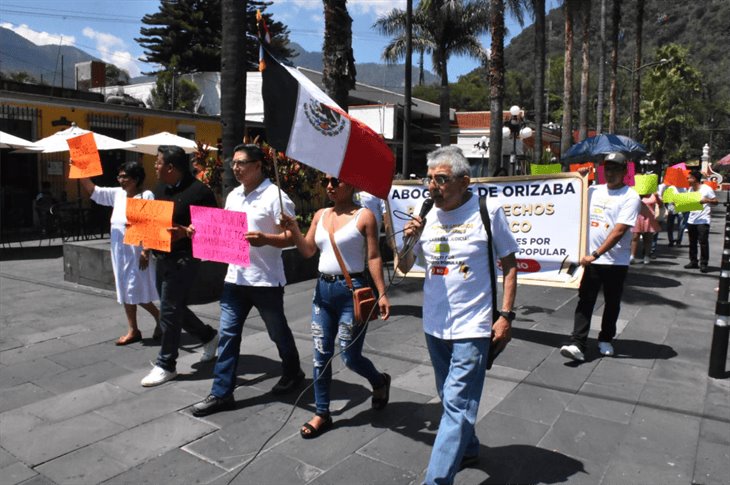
(702, 26)
(386, 76)
(17, 54)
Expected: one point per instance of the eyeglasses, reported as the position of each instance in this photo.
(334, 181)
(438, 179)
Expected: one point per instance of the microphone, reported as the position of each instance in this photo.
(409, 241)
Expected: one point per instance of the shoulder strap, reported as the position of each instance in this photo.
(331, 231)
(484, 211)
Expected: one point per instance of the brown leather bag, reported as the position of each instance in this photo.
(363, 299)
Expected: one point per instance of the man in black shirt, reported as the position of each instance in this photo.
(176, 270)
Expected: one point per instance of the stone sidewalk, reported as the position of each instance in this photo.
(72, 410)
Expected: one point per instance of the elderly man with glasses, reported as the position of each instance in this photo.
(612, 211)
(260, 285)
(452, 246)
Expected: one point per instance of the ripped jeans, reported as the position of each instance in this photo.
(332, 315)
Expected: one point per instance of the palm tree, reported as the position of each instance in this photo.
(613, 94)
(233, 82)
(566, 135)
(496, 74)
(441, 28)
(585, 70)
(338, 74)
(538, 7)
(601, 69)
(634, 132)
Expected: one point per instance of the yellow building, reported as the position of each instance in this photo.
(40, 114)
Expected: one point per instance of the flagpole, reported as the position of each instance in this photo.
(278, 184)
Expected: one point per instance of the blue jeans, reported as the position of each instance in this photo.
(236, 303)
(175, 275)
(680, 219)
(459, 367)
(332, 316)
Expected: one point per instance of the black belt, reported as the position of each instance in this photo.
(331, 278)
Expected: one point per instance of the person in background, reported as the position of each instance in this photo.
(646, 227)
(612, 210)
(259, 285)
(355, 233)
(134, 274)
(177, 270)
(698, 223)
(457, 303)
(43, 203)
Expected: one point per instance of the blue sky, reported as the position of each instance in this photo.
(107, 28)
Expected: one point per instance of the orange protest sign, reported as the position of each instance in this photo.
(676, 177)
(711, 183)
(574, 167)
(85, 157)
(147, 223)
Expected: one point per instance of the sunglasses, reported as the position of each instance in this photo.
(438, 179)
(334, 181)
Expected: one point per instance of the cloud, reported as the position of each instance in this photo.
(357, 7)
(39, 38)
(111, 50)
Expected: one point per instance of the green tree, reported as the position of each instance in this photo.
(115, 76)
(671, 105)
(182, 95)
(187, 34)
(442, 28)
(338, 73)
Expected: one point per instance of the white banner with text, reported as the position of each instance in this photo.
(546, 213)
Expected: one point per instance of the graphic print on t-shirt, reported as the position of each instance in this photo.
(440, 257)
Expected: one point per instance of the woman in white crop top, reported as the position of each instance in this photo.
(356, 235)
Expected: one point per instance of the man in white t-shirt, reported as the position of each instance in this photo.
(260, 285)
(612, 211)
(457, 303)
(698, 223)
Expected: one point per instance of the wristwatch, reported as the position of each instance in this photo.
(595, 255)
(509, 316)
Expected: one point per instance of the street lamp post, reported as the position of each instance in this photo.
(481, 147)
(516, 128)
(634, 128)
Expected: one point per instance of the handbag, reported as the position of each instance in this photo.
(364, 302)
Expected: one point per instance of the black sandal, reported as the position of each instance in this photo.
(309, 432)
(379, 403)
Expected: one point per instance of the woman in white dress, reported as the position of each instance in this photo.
(133, 274)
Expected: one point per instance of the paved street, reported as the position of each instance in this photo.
(72, 409)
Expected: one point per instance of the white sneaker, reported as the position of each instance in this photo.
(572, 352)
(209, 350)
(647, 260)
(157, 376)
(632, 260)
(605, 348)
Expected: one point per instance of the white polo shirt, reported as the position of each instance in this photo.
(262, 210)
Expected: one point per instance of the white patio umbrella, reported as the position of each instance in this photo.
(57, 142)
(10, 141)
(149, 144)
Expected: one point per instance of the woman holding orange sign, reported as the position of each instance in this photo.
(134, 276)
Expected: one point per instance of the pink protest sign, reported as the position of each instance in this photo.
(219, 235)
(628, 178)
